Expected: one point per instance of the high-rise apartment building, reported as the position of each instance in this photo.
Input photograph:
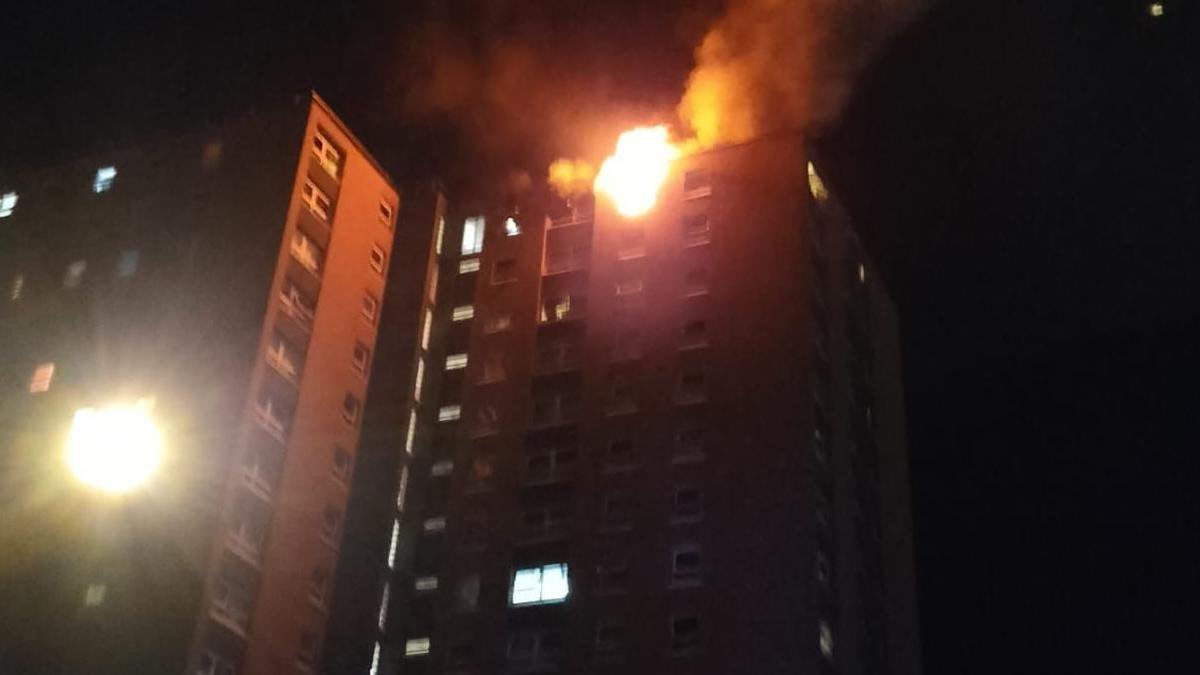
(663, 444)
(233, 278)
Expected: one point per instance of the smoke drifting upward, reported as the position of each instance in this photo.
(783, 64)
(517, 83)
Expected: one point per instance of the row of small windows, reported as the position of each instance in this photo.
(536, 644)
(73, 274)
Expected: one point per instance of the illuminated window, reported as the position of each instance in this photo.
(127, 264)
(456, 361)
(315, 200)
(351, 409)
(463, 312)
(441, 234)
(472, 241)
(370, 308)
(412, 431)
(419, 380)
(434, 525)
(425, 584)
(8, 204)
(94, 596)
(685, 565)
(385, 213)
(416, 646)
(862, 274)
(511, 227)
(816, 186)
(343, 465)
(105, 176)
(375, 653)
(825, 639)
(394, 544)
(498, 323)
(402, 489)
(42, 376)
(378, 259)
(1156, 9)
(540, 585)
(360, 358)
(74, 274)
(383, 605)
(327, 156)
(448, 413)
(504, 271)
(443, 467)
(685, 631)
(468, 265)
(18, 286)
(427, 329)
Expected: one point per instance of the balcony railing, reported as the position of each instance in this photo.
(229, 610)
(244, 544)
(559, 262)
(294, 306)
(307, 253)
(265, 416)
(280, 359)
(256, 480)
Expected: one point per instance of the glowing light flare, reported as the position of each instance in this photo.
(114, 449)
(632, 176)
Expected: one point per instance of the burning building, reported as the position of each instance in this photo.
(657, 429)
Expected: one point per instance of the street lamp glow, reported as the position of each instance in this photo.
(114, 449)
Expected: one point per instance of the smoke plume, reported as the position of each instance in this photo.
(524, 82)
(768, 65)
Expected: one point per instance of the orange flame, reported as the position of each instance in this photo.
(632, 176)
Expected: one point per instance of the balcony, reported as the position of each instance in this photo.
(305, 252)
(243, 543)
(229, 608)
(257, 480)
(563, 309)
(267, 415)
(562, 262)
(577, 213)
(295, 306)
(281, 359)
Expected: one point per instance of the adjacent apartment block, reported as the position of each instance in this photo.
(665, 444)
(231, 277)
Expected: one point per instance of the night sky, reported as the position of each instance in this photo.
(1026, 174)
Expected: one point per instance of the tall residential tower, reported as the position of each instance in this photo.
(663, 444)
(232, 277)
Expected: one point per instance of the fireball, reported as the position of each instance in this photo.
(632, 176)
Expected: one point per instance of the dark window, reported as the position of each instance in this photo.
(697, 181)
(351, 409)
(343, 465)
(504, 271)
(696, 228)
(361, 358)
(685, 564)
(610, 638)
(689, 503)
(685, 631)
